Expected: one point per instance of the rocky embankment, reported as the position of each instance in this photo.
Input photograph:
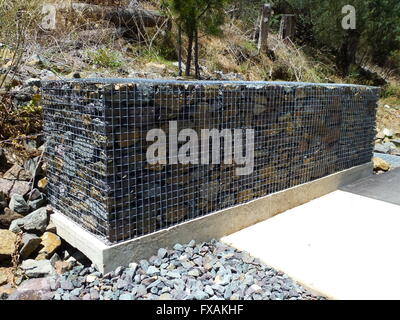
(29, 245)
(387, 142)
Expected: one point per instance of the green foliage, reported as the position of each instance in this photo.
(192, 17)
(32, 107)
(391, 90)
(383, 29)
(22, 121)
(206, 15)
(155, 55)
(377, 26)
(105, 58)
(249, 47)
(390, 94)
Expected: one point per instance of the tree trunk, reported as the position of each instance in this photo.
(189, 52)
(196, 54)
(266, 12)
(347, 52)
(180, 49)
(288, 27)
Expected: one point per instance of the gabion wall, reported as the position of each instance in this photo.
(96, 129)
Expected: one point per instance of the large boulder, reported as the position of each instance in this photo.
(18, 204)
(33, 289)
(38, 202)
(35, 222)
(7, 245)
(10, 187)
(30, 242)
(16, 172)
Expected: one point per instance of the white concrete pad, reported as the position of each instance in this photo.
(341, 245)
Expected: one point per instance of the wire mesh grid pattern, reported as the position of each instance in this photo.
(100, 177)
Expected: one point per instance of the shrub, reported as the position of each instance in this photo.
(105, 58)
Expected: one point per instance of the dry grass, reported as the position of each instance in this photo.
(388, 117)
(236, 52)
(15, 123)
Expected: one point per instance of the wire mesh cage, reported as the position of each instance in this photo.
(100, 133)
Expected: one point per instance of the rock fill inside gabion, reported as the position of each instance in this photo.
(100, 176)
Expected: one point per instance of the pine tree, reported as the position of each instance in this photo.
(191, 18)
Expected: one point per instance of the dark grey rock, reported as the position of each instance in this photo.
(122, 284)
(151, 271)
(194, 273)
(18, 204)
(218, 288)
(148, 281)
(76, 292)
(66, 285)
(30, 242)
(200, 295)
(154, 284)
(94, 294)
(141, 290)
(35, 194)
(33, 166)
(383, 148)
(126, 296)
(36, 204)
(179, 284)
(209, 290)
(191, 244)
(154, 290)
(54, 283)
(207, 271)
(119, 271)
(162, 253)
(54, 258)
(144, 264)
(228, 292)
(137, 278)
(179, 294)
(178, 247)
(173, 274)
(35, 222)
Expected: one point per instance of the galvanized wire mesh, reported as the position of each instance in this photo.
(99, 175)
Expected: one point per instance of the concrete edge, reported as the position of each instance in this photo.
(79, 238)
(213, 226)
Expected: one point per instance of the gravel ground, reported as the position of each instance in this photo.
(206, 271)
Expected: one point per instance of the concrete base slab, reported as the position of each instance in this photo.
(212, 226)
(385, 187)
(342, 245)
